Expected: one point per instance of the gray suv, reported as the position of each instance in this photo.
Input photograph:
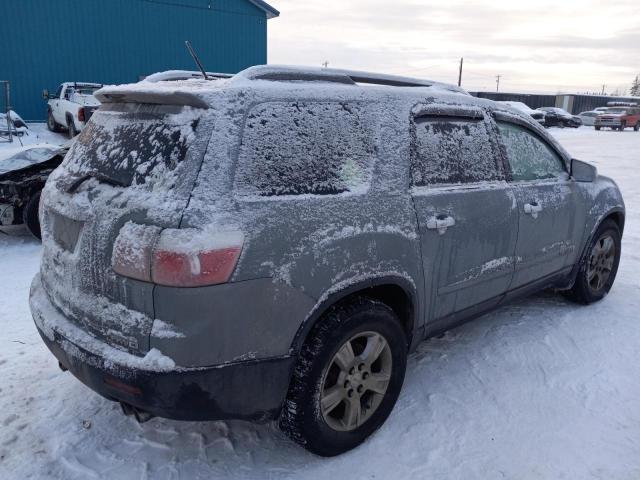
(273, 245)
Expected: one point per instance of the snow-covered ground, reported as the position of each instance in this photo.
(542, 389)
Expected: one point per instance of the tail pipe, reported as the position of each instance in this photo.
(140, 415)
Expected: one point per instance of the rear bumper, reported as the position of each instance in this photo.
(252, 390)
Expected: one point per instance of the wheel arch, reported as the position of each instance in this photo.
(616, 214)
(396, 292)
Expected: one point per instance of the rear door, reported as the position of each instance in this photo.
(466, 211)
(550, 211)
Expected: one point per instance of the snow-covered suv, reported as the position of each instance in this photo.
(71, 107)
(273, 245)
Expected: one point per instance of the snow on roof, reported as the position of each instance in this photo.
(303, 73)
(189, 88)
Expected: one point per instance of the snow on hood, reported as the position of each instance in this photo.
(28, 156)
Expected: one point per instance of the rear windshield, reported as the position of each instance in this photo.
(134, 144)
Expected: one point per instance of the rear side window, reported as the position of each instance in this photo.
(449, 150)
(530, 158)
(134, 143)
(295, 148)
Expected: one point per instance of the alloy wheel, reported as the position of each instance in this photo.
(355, 381)
(601, 262)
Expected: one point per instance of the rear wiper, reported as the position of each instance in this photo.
(72, 187)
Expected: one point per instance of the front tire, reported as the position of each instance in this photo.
(51, 123)
(30, 215)
(347, 378)
(599, 267)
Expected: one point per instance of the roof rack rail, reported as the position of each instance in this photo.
(174, 75)
(347, 77)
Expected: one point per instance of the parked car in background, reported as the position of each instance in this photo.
(589, 118)
(279, 258)
(71, 107)
(557, 117)
(22, 176)
(537, 115)
(619, 118)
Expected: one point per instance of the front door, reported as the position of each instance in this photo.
(466, 211)
(547, 201)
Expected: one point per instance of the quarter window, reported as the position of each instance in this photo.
(305, 148)
(529, 157)
(450, 150)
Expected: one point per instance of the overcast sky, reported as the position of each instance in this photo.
(536, 45)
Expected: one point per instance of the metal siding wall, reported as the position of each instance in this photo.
(584, 103)
(533, 101)
(45, 43)
(577, 103)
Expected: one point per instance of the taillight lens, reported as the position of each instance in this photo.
(178, 258)
(81, 114)
(133, 249)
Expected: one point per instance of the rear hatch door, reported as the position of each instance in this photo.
(134, 162)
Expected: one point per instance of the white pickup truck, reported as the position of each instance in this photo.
(71, 107)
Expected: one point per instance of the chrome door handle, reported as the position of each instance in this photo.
(440, 223)
(533, 209)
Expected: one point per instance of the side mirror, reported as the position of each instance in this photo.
(45, 94)
(582, 171)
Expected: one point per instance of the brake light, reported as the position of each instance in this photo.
(81, 114)
(176, 257)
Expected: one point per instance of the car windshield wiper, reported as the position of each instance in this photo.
(73, 186)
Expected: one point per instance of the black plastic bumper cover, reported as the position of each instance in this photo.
(252, 390)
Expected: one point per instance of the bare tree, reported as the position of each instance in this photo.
(635, 87)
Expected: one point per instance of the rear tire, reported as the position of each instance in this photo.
(354, 360)
(71, 128)
(599, 266)
(597, 128)
(636, 128)
(30, 215)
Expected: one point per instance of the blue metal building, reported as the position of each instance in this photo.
(44, 43)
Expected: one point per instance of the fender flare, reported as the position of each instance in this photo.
(328, 300)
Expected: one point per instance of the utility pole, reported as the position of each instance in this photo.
(325, 64)
(498, 82)
(603, 89)
(460, 74)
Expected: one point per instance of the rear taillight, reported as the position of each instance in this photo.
(178, 258)
(81, 114)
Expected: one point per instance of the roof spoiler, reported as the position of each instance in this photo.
(158, 97)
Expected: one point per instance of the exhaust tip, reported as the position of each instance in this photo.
(140, 415)
(62, 367)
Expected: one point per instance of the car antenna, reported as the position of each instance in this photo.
(196, 59)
